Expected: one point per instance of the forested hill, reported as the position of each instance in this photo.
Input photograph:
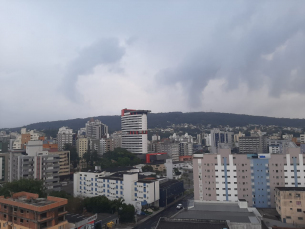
(166, 119)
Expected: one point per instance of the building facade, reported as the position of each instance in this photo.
(82, 146)
(64, 136)
(64, 162)
(134, 130)
(26, 211)
(185, 148)
(290, 204)
(4, 158)
(96, 130)
(217, 136)
(134, 188)
(252, 144)
(253, 177)
(37, 164)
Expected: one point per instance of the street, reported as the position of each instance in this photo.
(168, 212)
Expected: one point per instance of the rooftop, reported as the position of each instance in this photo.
(166, 223)
(169, 183)
(31, 201)
(218, 211)
(298, 189)
(120, 175)
(111, 170)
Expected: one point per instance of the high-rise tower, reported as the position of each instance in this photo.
(134, 130)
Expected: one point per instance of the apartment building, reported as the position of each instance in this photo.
(171, 148)
(25, 138)
(101, 146)
(134, 130)
(290, 204)
(217, 136)
(96, 130)
(253, 144)
(82, 144)
(117, 140)
(302, 138)
(185, 148)
(253, 177)
(25, 210)
(134, 188)
(64, 136)
(4, 157)
(64, 162)
(17, 143)
(37, 164)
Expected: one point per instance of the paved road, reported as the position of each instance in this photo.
(168, 212)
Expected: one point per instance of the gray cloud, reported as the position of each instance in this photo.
(252, 47)
(106, 51)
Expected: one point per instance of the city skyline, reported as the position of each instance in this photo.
(64, 60)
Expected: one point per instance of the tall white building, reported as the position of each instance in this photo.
(64, 136)
(134, 130)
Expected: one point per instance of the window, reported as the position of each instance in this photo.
(300, 218)
(299, 210)
(298, 202)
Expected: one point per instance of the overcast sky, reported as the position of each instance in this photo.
(75, 59)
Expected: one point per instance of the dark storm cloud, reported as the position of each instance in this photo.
(253, 47)
(105, 51)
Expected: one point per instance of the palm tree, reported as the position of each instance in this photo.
(116, 204)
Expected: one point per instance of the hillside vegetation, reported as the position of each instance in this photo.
(163, 120)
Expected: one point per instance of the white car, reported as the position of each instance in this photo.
(179, 206)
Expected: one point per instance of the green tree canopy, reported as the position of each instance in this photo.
(23, 185)
(127, 213)
(74, 158)
(118, 157)
(147, 168)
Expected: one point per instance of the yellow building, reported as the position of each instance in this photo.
(81, 146)
(290, 204)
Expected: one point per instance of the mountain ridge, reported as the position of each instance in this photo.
(163, 120)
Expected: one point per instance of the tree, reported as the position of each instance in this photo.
(87, 157)
(121, 157)
(75, 204)
(177, 172)
(147, 168)
(74, 158)
(116, 204)
(94, 157)
(23, 185)
(127, 213)
(98, 204)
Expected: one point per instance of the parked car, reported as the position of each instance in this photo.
(179, 206)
